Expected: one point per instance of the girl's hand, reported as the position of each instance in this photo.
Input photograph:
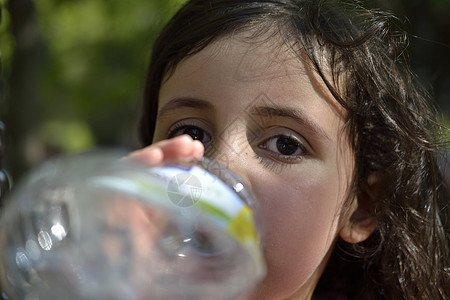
(180, 148)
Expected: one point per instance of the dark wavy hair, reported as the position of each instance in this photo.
(391, 125)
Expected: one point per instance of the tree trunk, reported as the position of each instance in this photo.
(21, 104)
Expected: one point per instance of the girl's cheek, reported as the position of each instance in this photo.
(300, 205)
(300, 219)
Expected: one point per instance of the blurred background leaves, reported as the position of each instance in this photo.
(73, 70)
(73, 73)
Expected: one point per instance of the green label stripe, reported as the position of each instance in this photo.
(213, 211)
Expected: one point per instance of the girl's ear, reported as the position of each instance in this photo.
(361, 220)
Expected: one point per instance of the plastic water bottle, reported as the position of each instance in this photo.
(97, 227)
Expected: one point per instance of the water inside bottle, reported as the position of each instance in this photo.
(118, 230)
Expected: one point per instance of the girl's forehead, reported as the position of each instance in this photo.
(255, 57)
(243, 58)
(264, 62)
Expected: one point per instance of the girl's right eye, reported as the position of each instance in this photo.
(195, 132)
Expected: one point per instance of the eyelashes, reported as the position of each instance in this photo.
(280, 151)
(274, 147)
(270, 164)
(287, 146)
(192, 128)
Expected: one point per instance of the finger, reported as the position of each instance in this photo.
(198, 149)
(182, 148)
(152, 155)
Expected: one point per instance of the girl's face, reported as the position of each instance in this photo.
(264, 114)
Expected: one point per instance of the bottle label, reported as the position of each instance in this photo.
(193, 191)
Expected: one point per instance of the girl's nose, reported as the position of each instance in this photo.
(232, 156)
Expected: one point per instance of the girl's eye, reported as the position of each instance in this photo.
(284, 146)
(194, 131)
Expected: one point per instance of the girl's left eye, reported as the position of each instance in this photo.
(284, 146)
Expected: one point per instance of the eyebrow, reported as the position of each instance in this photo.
(262, 111)
(296, 115)
(185, 102)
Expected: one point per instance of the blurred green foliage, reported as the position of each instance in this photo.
(6, 38)
(74, 70)
(92, 57)
(99, 52)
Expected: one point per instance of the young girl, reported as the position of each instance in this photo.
(312, 104)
